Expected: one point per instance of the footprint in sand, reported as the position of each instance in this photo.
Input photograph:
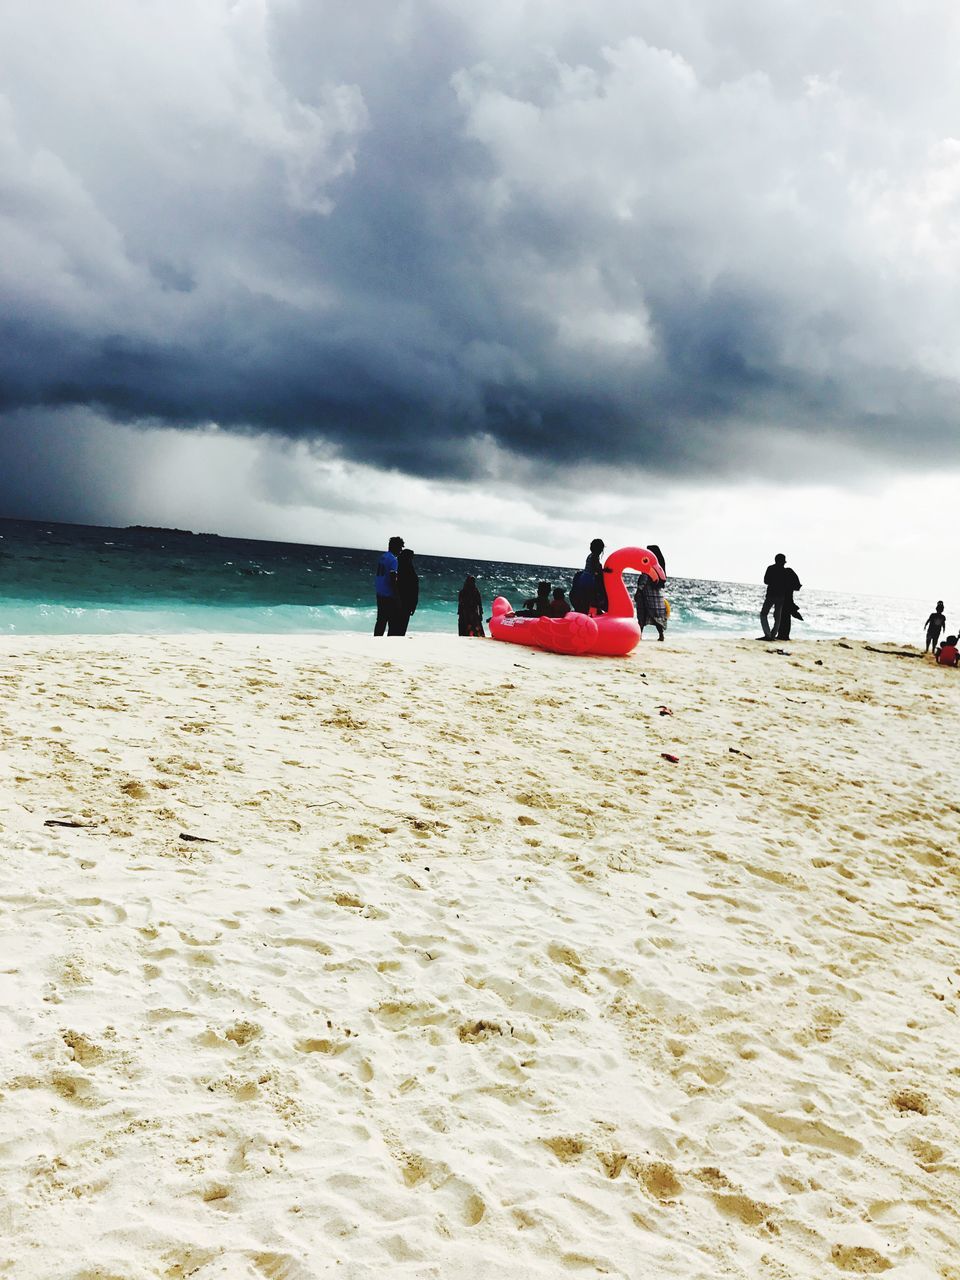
(658, 1178)
(84, 1050)
(911, 1100)
(858, 1258)
(279, 1266)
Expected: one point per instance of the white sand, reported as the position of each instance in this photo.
(470, 981)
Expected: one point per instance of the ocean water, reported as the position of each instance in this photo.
(59, 579)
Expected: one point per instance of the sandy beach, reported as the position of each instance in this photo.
(324, 956)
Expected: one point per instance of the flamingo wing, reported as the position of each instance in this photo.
(576, 633)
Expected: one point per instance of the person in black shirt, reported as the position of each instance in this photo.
(470, 608)
(559, 607)
(539, 605)
(935, 624)
(781, 582)
(408, 591)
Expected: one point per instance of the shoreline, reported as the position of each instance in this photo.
(455, 973)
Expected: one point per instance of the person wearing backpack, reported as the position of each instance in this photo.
(587, 591)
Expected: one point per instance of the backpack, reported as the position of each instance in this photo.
(582, 591)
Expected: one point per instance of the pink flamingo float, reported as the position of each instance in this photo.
(612, 634)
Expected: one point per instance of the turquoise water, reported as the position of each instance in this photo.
(58, 579)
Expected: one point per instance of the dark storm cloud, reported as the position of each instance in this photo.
(608, 236)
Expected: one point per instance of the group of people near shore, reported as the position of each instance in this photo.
(398, 590)
(398, 593)
(946, 654)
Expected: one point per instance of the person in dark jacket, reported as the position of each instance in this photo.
(408, 591)
(470, 608)
(781, 583)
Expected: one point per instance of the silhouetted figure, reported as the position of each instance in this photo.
(935, 624)
(539, 605)
(388, 599)
(587, 591)
(559, 606)
(948, 654)
(648, 597)
(470, 608)
(408, 590)
(781, 582)
(652, 546)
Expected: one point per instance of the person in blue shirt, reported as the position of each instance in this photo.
(388, 597)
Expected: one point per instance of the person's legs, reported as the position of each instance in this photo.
(396, 618)
(784, 617)
(768, 631)
(383, 615)
(398, 627)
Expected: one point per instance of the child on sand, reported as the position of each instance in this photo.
(935, 624)
(948, 655)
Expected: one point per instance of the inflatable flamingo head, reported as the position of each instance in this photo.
(639, 559)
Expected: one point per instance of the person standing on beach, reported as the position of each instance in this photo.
(788, 607)
(387, 596)
(408, 590)
(781, 583)
(470, 608)
(935, 624)
(587, 591)
(648, 597)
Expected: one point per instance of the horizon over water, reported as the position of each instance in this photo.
(66, 579)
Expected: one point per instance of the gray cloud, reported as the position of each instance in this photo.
(615, 236)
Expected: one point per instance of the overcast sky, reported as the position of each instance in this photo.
(498, 276)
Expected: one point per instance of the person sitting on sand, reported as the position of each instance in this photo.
(948, 655)
(470, 608)
(559, 607)
(935, 624)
